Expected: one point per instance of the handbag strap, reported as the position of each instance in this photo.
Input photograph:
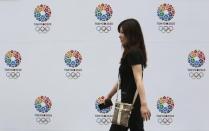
(118, 87)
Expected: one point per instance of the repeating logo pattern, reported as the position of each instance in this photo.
(73, 58)
(166, 12)
(42, 13)
(43, 104)
(103, 118)
(196, 58)
(12, 58)
(103, 12)
(165, 104)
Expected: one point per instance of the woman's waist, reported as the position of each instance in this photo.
(128, 96)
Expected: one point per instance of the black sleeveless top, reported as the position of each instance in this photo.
(127, 81)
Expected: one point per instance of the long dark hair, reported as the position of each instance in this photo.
(135, 40)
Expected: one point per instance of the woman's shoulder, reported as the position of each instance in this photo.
(134, 56)
(134, 52)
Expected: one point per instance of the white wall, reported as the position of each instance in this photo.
(73, 28)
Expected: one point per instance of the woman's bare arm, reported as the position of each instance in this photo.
(137, 71)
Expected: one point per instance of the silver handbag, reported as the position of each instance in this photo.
(122, 111)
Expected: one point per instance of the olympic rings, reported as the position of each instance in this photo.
(42, 29)
(196, 75)
(165, 121)
(72, 75)
(43, 120)
(13, 75)
(103, 121)
(103, 29)
(166, 29)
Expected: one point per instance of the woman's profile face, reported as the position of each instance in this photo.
(123, 38)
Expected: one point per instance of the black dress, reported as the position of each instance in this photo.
(128, 88)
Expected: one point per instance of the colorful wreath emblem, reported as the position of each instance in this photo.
(43, 104)
(165, 104)
(42, 13)
(103, 12)
(196, 58)
(12, 58)
(166, 12)
(73, 58)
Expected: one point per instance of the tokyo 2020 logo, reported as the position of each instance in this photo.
(196, 58)
(42, 13)
(12, 58)
(43, 104)
(166, 12)
(73, 58)
(103, 12)
(165, 104)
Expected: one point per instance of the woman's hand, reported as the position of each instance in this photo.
(145, 112)
(101, 100)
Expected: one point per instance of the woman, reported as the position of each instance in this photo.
(133, 62)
